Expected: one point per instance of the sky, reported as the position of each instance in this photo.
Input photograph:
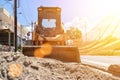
(90, 11)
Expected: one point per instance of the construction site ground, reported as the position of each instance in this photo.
(16, 66)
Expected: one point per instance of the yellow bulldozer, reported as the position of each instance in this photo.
(49, 38)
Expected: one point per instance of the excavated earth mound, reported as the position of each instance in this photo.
(16, 66)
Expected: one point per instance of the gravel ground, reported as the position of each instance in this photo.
(4, 48)
(15, 66)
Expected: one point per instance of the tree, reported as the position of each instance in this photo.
(74, 33)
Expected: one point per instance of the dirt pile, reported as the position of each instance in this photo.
(15, 66)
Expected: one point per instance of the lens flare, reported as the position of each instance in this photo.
(44, 50)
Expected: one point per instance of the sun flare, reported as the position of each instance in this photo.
(45, 49)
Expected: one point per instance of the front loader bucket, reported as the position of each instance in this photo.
(62, 53)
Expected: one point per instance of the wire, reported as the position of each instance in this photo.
(24, 16)
(28, 17)
(4, 3)
(28, 20)
(7, 2)
(12, 7)
(28, 7)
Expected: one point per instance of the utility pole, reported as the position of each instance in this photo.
(32, 29)
(21, 28)
(32, 24)
(15, 25)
